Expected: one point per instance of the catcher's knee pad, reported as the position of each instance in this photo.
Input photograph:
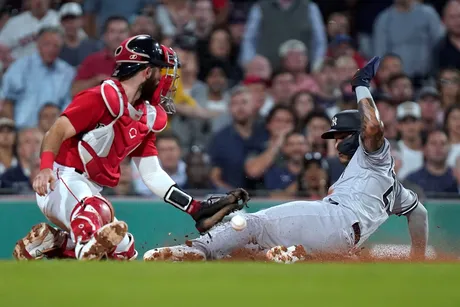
(88, 216)
(125, 250)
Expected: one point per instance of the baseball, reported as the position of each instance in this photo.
(238, 222)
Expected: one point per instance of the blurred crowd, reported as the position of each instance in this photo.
(259, 83)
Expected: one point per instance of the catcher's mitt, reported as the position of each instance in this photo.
(215, 208)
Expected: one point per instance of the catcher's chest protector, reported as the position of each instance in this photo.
(102, 149)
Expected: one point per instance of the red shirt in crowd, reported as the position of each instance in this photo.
(98, 63)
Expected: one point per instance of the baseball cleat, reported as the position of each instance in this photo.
(174, 254)
(42, 240)
(103, 242)
(281, 254)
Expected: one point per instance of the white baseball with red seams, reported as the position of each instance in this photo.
(238, 222)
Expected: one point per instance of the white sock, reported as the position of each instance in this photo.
(362, 92)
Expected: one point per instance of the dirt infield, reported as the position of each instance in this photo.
(245, 255)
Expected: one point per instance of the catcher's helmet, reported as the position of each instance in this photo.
(346, 121)
(138, 52)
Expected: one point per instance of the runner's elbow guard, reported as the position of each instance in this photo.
(161, 184)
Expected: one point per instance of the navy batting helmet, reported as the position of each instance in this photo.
(346, 121)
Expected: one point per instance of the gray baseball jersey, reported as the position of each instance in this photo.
(367, 192)
(369, 188)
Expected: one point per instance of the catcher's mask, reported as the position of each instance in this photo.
(140, 51)
(167, 87)
(346, 121)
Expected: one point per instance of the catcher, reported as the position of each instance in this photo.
(361, 200)
(82, 152)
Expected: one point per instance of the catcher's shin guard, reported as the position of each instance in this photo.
(42, 241)
(89, 216)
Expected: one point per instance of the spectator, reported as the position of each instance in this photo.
(175, 17)
(345, 68)
(99, 66)
(452, 128)
(125, 186)
(198, 172)
(236, 25)
(185, 47)
(20, 33)
(228, 147)
(314, 126)
(215, 98)
(343, 45)
(313, 179)
(400, 88)
(28, 149)
(294, 59)
(259, 66)
(387, 112)
(435, 176)
(430, 103)
(259, 94)
(270, 23)
(284, 172)
(446, 53)
(449, 87)
(219, 48)
(347, 100)
(24, 96)
(396, 154)
(303, 103)
(98, 13)
(279, 123)
(329, 84)
(144, 24)
(189, 89)
(365, 14)
(410, 126)
(204, 18)
(391, 65)
(457, 173)
(409, 29)
(7, 139)
(338, 23)
(169, 155)
(282, 90)
(77, 46)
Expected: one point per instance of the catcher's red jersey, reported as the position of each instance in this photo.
(108, 130)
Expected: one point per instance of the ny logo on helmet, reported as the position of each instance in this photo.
(334, 121)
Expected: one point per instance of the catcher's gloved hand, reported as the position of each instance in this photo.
(364, 75)
(212, 210)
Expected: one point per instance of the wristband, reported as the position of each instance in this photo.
(47, 160)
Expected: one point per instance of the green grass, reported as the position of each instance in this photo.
(51, 283)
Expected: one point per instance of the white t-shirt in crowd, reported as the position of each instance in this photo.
(454, 153)
(412, 160)
(20, 32)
